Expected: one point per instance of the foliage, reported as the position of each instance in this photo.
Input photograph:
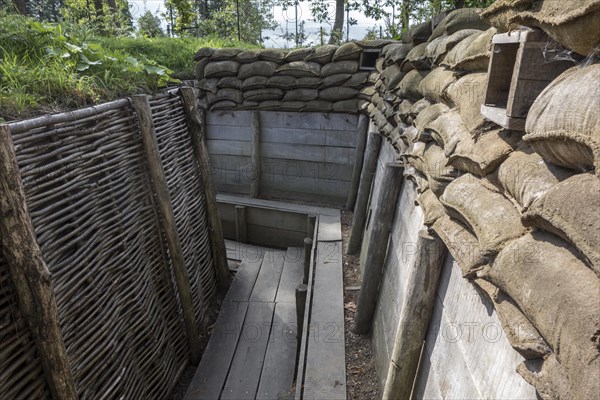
(149, 25)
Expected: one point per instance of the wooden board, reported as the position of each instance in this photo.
(312, 120)
(244, 251)
(306, 169)
(324, 200)
(278, 370)
(229, 147)
(214, 367)
(246, 367)
(266, 217)
(325, 374)
(500, 74)
(232, 163)
(313, 137)
(267, 283)
(310, 186)
(330, 228)
(498, 116)
(228, 132)
(229, 118)
(285, 151)
(276, 205)
(291, 277)
(244, 281)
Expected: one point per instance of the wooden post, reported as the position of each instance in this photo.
(364, 191)
(30, 274)
(308, 242)
(241, 235)
(383, 215)
(165, 208)
(255, 184)
(362, 129)
(415, 316)
(300, 307)
(311, 223)
(195, 118)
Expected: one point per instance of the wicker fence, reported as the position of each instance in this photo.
(120, 273)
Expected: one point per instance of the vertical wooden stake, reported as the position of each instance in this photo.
(301, 291)
(364, 192)
(362, 129)
(165, 208)
(383, 215)
(415, 316)
(308, 242)
(256, 126)
(241, 235)
(311, 223)
(30, 274)
(195, 118)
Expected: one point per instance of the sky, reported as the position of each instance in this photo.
(283, 18)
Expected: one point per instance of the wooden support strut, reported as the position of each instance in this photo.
(165, 208)
(415, 316)
(30, 274)
(308, 242)
(377, 244)
(241, 232)
(362, 129)
(255, 156)
(364, 191)
(196, 126)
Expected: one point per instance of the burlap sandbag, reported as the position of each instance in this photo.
(257, 68)
(397, 52)
(468, 95)
(367, 93)
(346, 106)
(275, 105)
(224, 54)
(459, 50)
(299, 69)
(254, 82)
(318, 106)
(408, 88)
(224, 94)
(484, 154)
(334, 80)
(348, 51)
(308, 82)
(432, 208)
(223, 105)
(435, 84)
(203, 52)
(447, 130)
(391, 76)
(322, 54)
(548, 377)
(438, 172)
(493, 218)
(559, 295)
(525, 176)
(419, 106)
(248, 56)
(417, 59)
(230, 82)
(439, 48)
(500, 13)
(220, 69)
(417, 34)
(247, 105)
(477, 55)
(298, 54)
(430, 114)
(208, 85)
(263, 94)
(404, 110)
(282, 82)
(462, 245)
(571, 210)
(357, 80)
(520, 332)
(563, 124)
(301, 95)
(273, 55)
(340, 67)
(457, 20)
(373, 43)
(199, 69)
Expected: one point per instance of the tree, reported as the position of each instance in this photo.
(149, 25)
(21, 6)
(338, 24)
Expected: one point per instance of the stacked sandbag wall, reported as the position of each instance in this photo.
(518, 211)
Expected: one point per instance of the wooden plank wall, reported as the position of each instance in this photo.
(307, 157)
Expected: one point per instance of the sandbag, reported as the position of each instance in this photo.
(220, 69)
(203, 52)
(429, 114)
(223, 104)
(459, 50)
(337, 93)
(199, 69)
(520, 332)
(334, 80)
(346, 106)
(208, 85)
(404, 110)
(559, 295)
(391, 76)
(435, 84)
(308, 82)
(294, 106)
(477, 55)
(419, 106)
(563, 124)
(230, 82)
(282, 82)
(439, 48)
(248, 56)
(438, 172)
(254, 82)
(263, 94)
(298, 54)
(273, 55)
(348, 51)
(396, 53)
(340, 67)
(367, 93)
(468, 95)
(417, 59)
(299, 69)
(432, 208)
(224, 94)
(484, 154)
(258, 68)
(224, 54)
(322, 54)
(408, 88)
(548, 377)
(493, 218)
(318, 105)
(373, 43)
(457, 20)
(247, 105)
(417, 34)
(357, 80)
(571, 210)
(501, 12)
(447, 130)
(525, 176)
(301, 95)
(462, 245)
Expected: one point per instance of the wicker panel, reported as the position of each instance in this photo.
(21, 374)
(187, 197)
(89, 197)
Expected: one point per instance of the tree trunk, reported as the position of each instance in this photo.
(98, 8)
(459, 3)
(112, 5)
(338, 24)
(21, 6)
(405, 14)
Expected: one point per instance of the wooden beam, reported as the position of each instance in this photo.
(255, 156)
(415, 316)
(165, 208)
(361, 131)
(383, 215)
(308, 242)
(30, 274)
(364, 191)
(310, 226)
(241, 232)
(196, 126)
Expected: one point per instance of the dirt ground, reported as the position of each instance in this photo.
(361, 377)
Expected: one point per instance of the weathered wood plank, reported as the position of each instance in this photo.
(227, 132)
(229, 147)
(244, 374)
(244, 251)
(284, 220)
(291, 276)
(361, 135)
(325, 200)
(276, 205)
(307, 169)
(232, 163)
(325, 376)
(311, 120)
(269, 276)
(229, 118)
(241, 233)
(314, 137)
(335, 155)
(274, 237)
(330, 228)
(256, 155)
(309, 186)
(278, 370)
(245, 279)
(214, 367)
